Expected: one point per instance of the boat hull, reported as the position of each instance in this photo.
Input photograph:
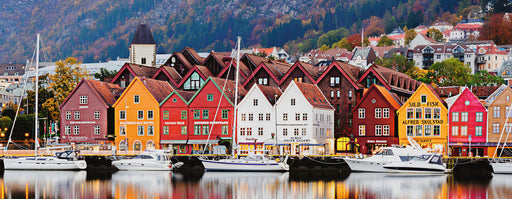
(135, 165)
(235, 165)
(362, 165)
(43, 163)
(417, 168)
(502, 167)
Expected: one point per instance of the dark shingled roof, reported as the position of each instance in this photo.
(229, 90)
(159, 89)
(187, 95)
(270, 92)
(143, 35)
(141, 70)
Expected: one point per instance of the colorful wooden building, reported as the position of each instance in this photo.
(137, 114)
(499, 106)
(424, 118)
(467, 124)
(87, 115)
(174, 121)
(375, 119)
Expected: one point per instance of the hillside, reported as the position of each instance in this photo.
(99, 30)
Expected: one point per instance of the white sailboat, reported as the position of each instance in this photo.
(67, 160)
(253, 162)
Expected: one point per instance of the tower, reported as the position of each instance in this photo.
(143, 47)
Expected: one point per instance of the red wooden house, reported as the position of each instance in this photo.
(210, 116)
(168, 74)
(87, 115)
(174, 122)
(375, 120)
(263, 75)
(194, 78)
(467, 120)
(129, 71)
(300, 72)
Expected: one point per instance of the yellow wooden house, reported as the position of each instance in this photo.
(137, 114)
(424, 117)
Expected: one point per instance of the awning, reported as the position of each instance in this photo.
(173, 141)
(311, 144)
(203, 141)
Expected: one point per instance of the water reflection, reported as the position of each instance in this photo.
(157, 184)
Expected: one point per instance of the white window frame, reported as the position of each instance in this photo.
(96, 115)
(83, 99)
(97, 130)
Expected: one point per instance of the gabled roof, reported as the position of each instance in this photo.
(490, 50)
(106, 91)
(183, 95)
(228, 92)
(392, 79)
(170, 72)
(136, 70)
(313, 94)
(389, 98)
(244, 70)
(265, 68)
(308, 70)
(159, 89)
(277, 68)
(198, 59)
(495, 94)
(362, 52)
(143, 35)
(430, 89)
(465, 91)
(505, 69)
(181, 58)
(442, 48)
(350, 72)
(380, 51)
(270, 92)
(254, 59)
(201, 70)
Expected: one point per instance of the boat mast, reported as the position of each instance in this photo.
(235, 144)
(36, 145)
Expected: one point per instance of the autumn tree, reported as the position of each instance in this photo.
(68, 74)
(435, 34)
(324, 48)
(343, 43)
(498, 28)
(409, 36)
(385, 41)
(354, 40)
(483, 78)
(373, 26)
(450, 72)
(398, 63)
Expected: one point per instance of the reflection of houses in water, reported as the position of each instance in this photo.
(47, 184)
(142, 184)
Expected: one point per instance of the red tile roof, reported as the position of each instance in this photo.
(194, 54)
(313, 94)
(107, 91)
(186, 95)
(392, 79)
(159, 89)
(229, 90)
(270, 92)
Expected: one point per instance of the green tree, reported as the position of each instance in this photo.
(104, 74)
(409, 36)
(324, 48)
(435, 34)
(67, 75)
(366, 41)
(450, 72)
(385, 41)
(398, 63)
(483, 78)
(343, 43)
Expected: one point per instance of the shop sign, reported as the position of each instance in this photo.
(174, 123)
(422, 122)
(297, 140)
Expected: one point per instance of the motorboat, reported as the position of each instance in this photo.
(424, 164)
(383, 156)
(67, 160)
(149, 160)
(501, 167)
(252, 162)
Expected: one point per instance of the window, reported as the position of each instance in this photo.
(496, 111)
(83, 99)
(297, 116)
(496, 128)
(249, 131)
(150, 114)
(334, 81)
(243, 116)
(197, 129)
(428, 130)
(508, 112)
(255, 102)
(479, 116)
(251, 116)
(304, 131)
(267, 116)
(362, 130)
(76, 130)
(225, 114)
(206, 129)
(97, 129)
(419, 130)
(143, 60)
(338, 94)
(385, 113)
(296, 132)
(378, 130)
(437, 113)
(260, 131)
(136, 99)
(410, 113)
(205, 114)
(410, 130)
(423, 99)
(151, 130)
(332, 94)
(122, 115)
(455, 116)
(209, 97)
(361, 113)
(455, 130)
(140, 130)
(197, 114)
(140, 115)
(77, 115)
(385, 130)
(242, 131)
(285, 116)
(478, 131)
(437, 130)
(67, 130)
(378, 112)
(285, 132)
(419, 113)
(166, 115)
(183, 130)
(68, 115)
(263, 81)
(165, 130)
(96, 115)
(428, 113)
(464, 130)
(464, 116)
(292, 102)
(225, 129)
(260, 117)
(122, 130)
(305, 116)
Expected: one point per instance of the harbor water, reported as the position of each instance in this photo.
(158, 184)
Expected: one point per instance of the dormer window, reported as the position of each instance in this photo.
(263, 81)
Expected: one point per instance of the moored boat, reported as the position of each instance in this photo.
(66, 160)
(253, 162)
(149, 160)
(384, 156)
(424, 164)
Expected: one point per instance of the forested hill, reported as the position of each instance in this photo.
(98, 30)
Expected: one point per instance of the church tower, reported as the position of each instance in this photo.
(143, 47)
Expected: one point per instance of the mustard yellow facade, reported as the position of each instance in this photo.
(424, 117)
(137, 119)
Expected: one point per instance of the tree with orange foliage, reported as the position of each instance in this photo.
(354, 40)
(498, 28)
(373, 26)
